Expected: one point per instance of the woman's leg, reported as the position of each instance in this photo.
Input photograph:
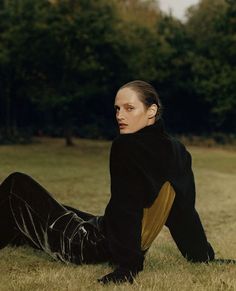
(38, 217)
(84, 215)
(189, 235)
(9, 231)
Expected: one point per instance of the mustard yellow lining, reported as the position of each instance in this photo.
(155, 216)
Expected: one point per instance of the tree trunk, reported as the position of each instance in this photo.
(68, 136)
(8, 113)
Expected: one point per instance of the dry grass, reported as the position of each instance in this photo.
(79, 176)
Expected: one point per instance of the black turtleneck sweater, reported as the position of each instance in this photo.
(140, 163)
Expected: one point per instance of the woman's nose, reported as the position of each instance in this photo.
(119, 115)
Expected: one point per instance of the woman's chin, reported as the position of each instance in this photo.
(124, 130)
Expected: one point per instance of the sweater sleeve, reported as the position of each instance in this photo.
(124, 212)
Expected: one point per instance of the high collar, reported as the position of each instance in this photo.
(157, 128)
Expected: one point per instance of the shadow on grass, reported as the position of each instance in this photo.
(224, 261)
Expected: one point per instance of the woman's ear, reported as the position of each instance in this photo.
(152, 111)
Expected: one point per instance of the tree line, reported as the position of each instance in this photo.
(62, 61)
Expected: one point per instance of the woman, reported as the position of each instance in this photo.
(143, 158)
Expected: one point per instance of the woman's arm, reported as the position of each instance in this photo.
(124, 212)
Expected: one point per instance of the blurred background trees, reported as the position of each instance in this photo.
(62, 61)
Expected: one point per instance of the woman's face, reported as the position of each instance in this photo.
(131, 113)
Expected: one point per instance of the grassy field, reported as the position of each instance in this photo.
(79, 176)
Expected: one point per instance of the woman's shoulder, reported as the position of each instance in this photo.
(126, 147)
(125, 142)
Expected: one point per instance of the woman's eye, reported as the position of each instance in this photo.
(130, 108)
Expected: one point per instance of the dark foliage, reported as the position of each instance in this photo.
(62, 61)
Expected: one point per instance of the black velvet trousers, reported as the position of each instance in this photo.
(29, 214)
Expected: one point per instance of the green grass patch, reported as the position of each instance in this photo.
(79, 176)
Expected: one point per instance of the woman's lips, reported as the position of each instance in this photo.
(122, 125)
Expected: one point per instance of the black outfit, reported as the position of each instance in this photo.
(140, 163)
(29, 214)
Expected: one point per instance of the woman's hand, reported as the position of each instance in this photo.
(120, 275)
